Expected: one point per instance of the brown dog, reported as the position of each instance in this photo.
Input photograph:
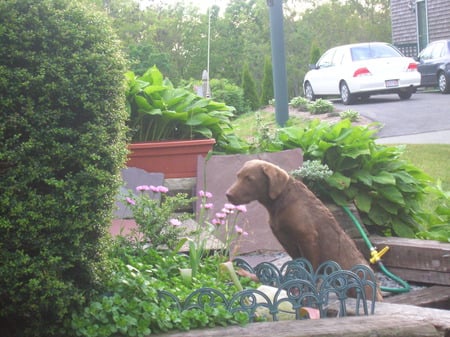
(299, 220)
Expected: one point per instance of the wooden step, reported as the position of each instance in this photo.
(432, 297)
(423, 261)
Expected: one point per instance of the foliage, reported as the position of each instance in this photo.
(160, 223)
(249, 87)
(437, 219)
(320, 106)
(132, 306)
(224, 222)
(433, 159)
(300, 103)
(314, 174)
(174, 35)
(232, 95)
(158, 111)
(267, 83)
(142, 267)
(155, 214)
(315, 54)
(62, 142)
(263, 137)
(352, 115)
(386, 189)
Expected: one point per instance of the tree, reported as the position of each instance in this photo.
(267, 83)
(249, 87)
(62, 142)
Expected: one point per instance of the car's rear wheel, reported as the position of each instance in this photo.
(444, 86)
(405, 94)
(346, 96)
(309, 92)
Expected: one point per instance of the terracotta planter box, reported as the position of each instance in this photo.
(176, 159)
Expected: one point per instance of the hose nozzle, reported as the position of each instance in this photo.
(376, 256)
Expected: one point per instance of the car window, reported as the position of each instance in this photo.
(437, 51)
(426, 53)
(360, 53)
(338, 56)
(327, 59)
(372, 51)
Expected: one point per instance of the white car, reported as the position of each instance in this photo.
(359, 70)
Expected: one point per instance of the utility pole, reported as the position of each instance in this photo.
(278, 61)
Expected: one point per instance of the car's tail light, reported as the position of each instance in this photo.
(361, 72)
(412, 67)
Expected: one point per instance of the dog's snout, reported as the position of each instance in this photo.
(229, 196)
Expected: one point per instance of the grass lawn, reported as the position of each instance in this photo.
(433, 159)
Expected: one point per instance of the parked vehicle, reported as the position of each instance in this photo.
(434, 65)
(359, 70)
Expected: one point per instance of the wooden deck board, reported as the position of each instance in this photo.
(424, 261)
(435, 297)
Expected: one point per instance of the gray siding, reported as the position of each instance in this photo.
(404, 26)
(438, 19)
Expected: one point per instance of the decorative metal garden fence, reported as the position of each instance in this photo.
(293, 287)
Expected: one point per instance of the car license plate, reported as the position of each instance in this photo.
(391, 83)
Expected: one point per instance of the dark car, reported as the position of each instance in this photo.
(434, 65)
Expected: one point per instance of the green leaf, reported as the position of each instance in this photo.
(153, 76)
(364, 176)
(339, 181)
(384, 178)
(402, 229)
(363, 202)
(392, 193)
(389, 206)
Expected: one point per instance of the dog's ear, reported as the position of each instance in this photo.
(278, 179)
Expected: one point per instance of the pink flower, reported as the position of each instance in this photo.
(205, 194)
(142, 188)
(175, 222)
(221, 215)
(162, 189)
(229, 206)
(130, 201)
(158, 189)
(240, 230)
(241, 208)
(216, 222)
(208, 205)
(227, 211)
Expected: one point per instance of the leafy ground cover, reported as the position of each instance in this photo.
(132, 305)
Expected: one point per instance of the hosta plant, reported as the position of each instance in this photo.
(159, 111)
(320, 106)
(386, 189)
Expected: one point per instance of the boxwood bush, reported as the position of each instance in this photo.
(62, 142)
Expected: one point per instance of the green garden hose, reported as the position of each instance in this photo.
(376, 258)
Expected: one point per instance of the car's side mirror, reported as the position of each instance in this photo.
(313, 66)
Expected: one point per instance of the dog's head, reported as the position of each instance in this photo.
(257, 180)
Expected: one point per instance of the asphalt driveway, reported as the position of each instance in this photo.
(424, 114)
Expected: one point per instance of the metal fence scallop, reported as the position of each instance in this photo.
(295, 286)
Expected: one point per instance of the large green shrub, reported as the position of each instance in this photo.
(229, 93)
(249, 87)
(267, 83)
(62, 142)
